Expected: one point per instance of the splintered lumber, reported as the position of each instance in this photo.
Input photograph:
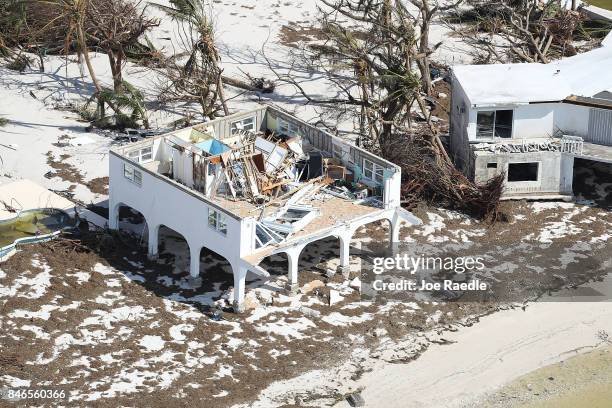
(295, 190)
(250, 176)
(216, 184)
(229, 183)
(269, 187)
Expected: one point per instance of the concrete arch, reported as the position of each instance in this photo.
(391, 223)
(328, 248)
(193, 249)
(275, 264)
(239, 270)
(393, 227)
(295, 254)
(114, 216)
(153, 244)
(207, 254)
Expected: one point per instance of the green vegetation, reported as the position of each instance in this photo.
(3, 121)
(607, 4)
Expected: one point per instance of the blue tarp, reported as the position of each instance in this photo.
(213, 146)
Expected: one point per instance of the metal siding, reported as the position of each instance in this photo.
(600, 127)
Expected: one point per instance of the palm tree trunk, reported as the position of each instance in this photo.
(222, 94)
(92, 73)
(85, 52)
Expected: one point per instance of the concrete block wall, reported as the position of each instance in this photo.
(555, 172)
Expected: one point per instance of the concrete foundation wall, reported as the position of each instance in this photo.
(555, 172)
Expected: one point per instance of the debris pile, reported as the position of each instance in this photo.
(428, 176)
(552, 144)
(271, 168)
(279, 173)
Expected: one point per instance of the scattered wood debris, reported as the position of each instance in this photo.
(428, 176)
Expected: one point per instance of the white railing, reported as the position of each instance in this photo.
(571, 144)
(563, 144)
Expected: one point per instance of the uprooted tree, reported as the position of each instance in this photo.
(115, 26)
(376, 55)
(78, 26)
(518, 30)
(193, 73)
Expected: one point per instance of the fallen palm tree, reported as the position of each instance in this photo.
(429, 176)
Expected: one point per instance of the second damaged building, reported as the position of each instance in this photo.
(531, 121)
(254, 184)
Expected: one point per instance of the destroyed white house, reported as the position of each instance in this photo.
(532, 120)
(254, 184)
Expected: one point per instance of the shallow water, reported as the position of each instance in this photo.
(584, 380)
(31, 223)
(592, 396)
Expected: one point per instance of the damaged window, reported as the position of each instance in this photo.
(292, 215)
(484, 124)
(247, 124)
(130, 173)
(287, 128)
(217, 221)
(373, 171)
(523, 171)
(337, 151)
(262, 236)
(142, 155)
(491, 124)
(290, 219)
(503, 124)
(265, 236)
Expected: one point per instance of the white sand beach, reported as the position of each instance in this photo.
(493, 352)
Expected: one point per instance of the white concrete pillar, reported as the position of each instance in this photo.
(113, 215)
(153, 235)
(194, 261)
(345, 249)
(293, 256)
(394, 233)
(240, 273)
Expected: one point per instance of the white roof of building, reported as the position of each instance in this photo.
(498, 84)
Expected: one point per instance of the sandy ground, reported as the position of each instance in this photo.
(482, 358)
(581, 381)
(120, 330)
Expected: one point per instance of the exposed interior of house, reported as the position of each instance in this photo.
(277, 173)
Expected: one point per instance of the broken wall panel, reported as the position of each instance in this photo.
(223, 128)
